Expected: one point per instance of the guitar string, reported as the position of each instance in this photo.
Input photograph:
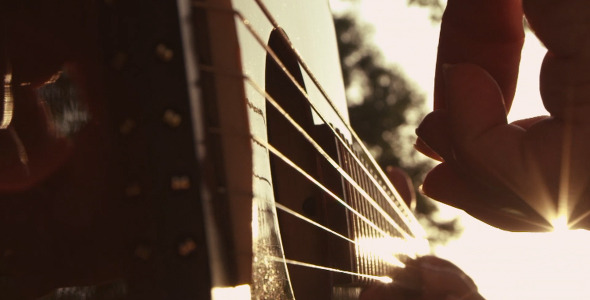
(410, 221)
(314, 181)
(306, 68)
(353, 155)
(245, 22)
(340, 200)
(394, 261)
(330, 160)
(384, 279)
(285, 159)
(416, 228)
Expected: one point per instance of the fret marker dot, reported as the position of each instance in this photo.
(143, 252)
(164, 53)
(178, 183)
(171, 118)
(133, 190)
(186, 247)
(119, 61)
(127, 127)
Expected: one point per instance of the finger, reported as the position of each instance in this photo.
(441, 277)
(565, 86)
(436, 261)
(527, 123)
(562, 26)
(501, 210)
(474, 101)
(488, 33)
(403, 184)
(434, 132)
(423, 148)
(485, 146)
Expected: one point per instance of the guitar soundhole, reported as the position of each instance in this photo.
(302, 241)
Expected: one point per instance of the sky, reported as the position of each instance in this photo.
(504, 265)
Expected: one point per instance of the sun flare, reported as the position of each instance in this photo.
(560, 224)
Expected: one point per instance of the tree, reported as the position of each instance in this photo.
(437, 7)
(385, 113)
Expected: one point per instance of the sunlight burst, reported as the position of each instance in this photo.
(560, 224)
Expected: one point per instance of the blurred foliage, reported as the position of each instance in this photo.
(437, 7)
(385, 110)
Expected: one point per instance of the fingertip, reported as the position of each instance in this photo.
(436, 183)
(434, 135)
(423, 148)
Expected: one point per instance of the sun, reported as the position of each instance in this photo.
(560, 224)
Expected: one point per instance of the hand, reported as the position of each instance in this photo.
(426, 278)
(523, 175)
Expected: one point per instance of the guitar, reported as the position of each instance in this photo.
(211, 157)
(325, 220)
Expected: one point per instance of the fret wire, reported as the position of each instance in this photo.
(358, 227)
(354, 201)
(327, 97)
(366, 211)
(380, 221)
(410, 218)
(371, 212)
(330, 160)
(287, 210)
(353, 219)
(285, 159)
(384, 279)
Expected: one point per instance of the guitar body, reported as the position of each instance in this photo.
(212, 159)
